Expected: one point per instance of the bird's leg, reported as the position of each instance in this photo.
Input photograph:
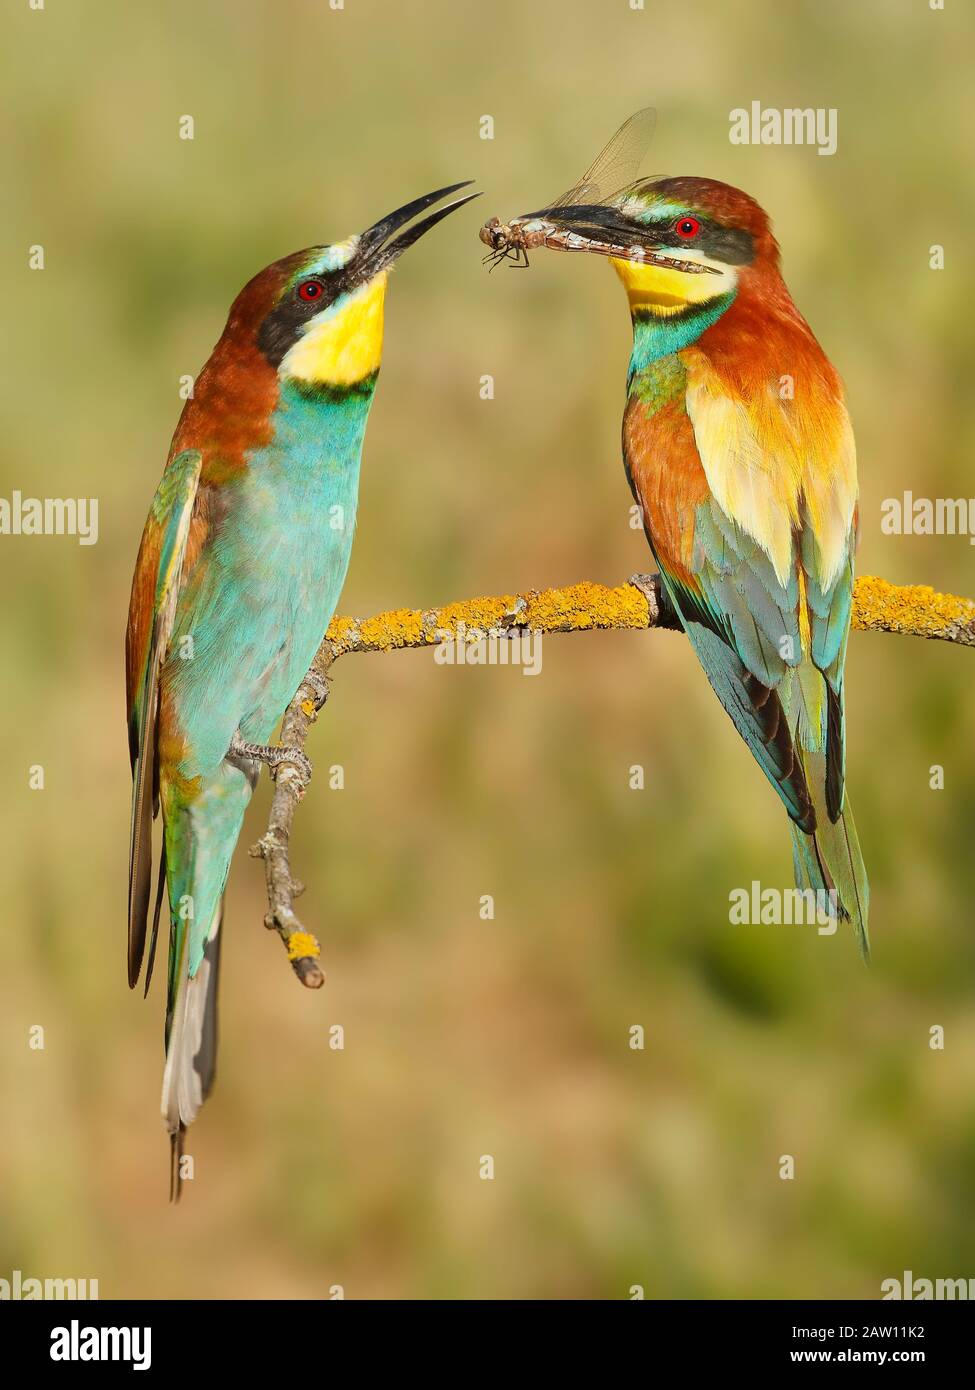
(662, 611)
(273, 754)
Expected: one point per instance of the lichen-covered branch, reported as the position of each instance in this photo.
(290, 783)
(913, 610)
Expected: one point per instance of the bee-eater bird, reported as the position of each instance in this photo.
(242, 561)
(739, 452)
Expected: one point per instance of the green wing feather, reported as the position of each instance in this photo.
(743, 626)
(164, 547)
(784, 695)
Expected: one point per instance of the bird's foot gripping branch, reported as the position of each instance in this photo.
(914, 610)
(291, 770)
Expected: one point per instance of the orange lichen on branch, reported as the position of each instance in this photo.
(571, 609)
(581, 606)
(401, 627)
(913, 609)
(301, 944)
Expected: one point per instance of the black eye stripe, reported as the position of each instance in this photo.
(733, 245)
(608, 222)
(283, 325)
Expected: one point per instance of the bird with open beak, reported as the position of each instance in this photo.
(739, 452)
(242, 561)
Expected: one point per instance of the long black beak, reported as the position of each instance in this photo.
(600, 223)
(610, 233)
(376, 252)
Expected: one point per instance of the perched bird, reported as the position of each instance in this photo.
(242, 561)
(739, 451)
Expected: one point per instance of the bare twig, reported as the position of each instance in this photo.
(913, 610)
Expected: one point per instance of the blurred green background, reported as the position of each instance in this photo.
(360, 1167)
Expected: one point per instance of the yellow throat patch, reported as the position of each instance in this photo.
(663, 291)
(345, 344)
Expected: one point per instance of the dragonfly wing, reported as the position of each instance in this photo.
(617, 164)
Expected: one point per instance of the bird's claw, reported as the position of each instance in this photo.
(649, 586)
(275, 755)
(662, 610)
(290, 757)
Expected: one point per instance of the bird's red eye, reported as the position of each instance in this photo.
(311, 290)
(687, 228)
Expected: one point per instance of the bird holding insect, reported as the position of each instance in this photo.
(242, 561)
(739, 451)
